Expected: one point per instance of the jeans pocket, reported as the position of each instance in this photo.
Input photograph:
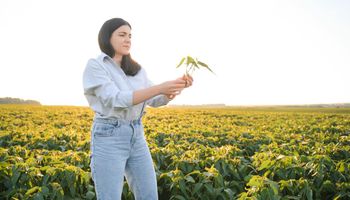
(104, 130)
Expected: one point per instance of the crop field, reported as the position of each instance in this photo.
(198, 153)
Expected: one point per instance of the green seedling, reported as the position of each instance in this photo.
(192, 64)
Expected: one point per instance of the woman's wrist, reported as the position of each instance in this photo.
(158, 89)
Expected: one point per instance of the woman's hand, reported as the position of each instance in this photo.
(171, 88)
(168, 88)
(171, 96)
(189, 80)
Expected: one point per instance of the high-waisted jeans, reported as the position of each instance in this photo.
(118, 148)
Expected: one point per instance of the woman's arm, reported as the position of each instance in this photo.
(161, 100)
(168, 88)
(97, 82)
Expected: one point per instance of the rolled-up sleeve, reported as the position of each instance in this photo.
(157, 101)
(96, 82)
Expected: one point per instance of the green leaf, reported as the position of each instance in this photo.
(280, 157)
(341, 168)
(256, 181)
(189, 179)
(181, 62)
(182, 186)
(45, 190)
(192, 64)
(197, 187)
(38, 197)
(274, 187)
(266, 164)
(328, 186)
(209, 188)
(32, 190)
(207, 174)
(229, 192)
(91, 188)
(206, 66)
(195, 65)
(15, 177)
(190, 60)
(90, 195)
(309, 194)
(179, 197)
(202, 64)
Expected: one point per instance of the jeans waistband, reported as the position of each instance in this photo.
(118, 121)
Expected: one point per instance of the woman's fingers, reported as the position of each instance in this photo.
(174, 87)
(179, 84)
(171, 96)
(188, 83)
(189, 80)
(180, 81)
(188, 77)
(176, 92)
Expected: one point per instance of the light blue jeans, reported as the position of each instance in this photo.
(118, 148)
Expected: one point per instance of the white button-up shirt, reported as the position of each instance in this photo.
(109, 91)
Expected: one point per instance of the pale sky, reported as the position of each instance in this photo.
(263, 52)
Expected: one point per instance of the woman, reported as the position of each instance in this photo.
(117, 89)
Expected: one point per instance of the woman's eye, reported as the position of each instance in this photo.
(124, 35)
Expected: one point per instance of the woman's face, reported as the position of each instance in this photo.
(121, 40)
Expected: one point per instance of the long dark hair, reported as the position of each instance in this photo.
(129, 66)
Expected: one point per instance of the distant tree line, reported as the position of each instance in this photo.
(9, 100)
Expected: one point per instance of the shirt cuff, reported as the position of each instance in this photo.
(166, 100)
(126, 97)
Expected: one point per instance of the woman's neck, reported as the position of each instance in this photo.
(118, 59)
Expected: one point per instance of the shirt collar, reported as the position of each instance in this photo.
(103, 56)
